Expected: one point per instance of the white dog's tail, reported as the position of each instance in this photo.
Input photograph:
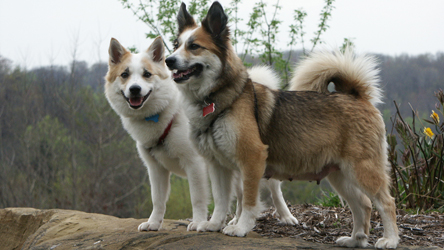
(355, 75)
(265, 76)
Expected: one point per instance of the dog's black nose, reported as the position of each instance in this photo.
(170, 61)
(135, 89)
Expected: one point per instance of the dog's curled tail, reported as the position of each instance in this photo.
(351, 74)
(264, 75)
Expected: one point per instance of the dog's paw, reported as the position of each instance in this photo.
(233, 221)
(360, 240)
(387, 243)
(288, 220)
(235, 230)
(209, 226)
(150, 226)
(193, 226)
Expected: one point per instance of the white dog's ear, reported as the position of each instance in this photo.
(184, 19)
(116, 51)
(157, 50)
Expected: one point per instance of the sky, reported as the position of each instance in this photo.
(44, 32)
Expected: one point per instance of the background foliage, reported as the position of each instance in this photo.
(62, 146)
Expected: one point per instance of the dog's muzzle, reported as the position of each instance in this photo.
(180, 74)
(171, 62)
(136, 100)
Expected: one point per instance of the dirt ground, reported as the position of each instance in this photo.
(326, 224)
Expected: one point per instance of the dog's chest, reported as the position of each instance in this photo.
(170, 160)
(146, 133)
(216, 139)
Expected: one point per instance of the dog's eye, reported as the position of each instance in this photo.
(175, 44)
(124, 75)
(146, 74)
(194, 46)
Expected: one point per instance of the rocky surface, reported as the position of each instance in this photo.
(28, 228)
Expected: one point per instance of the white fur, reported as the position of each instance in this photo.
(221, 181)
(176, 155)
(246, 221)
(136, 69)
(264, 75)
(282, 213)
(312, 72)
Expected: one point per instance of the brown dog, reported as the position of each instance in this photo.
(240, 125)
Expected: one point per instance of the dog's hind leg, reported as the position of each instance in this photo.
(283, 213)
(221, 179)
(160, 189)
(374, 181)
(360, 206)
(376, 185)
(385, 204)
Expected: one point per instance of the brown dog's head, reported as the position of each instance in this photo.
(200, 52)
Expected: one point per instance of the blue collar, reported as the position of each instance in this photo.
(154, 118)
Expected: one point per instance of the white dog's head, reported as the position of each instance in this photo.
(137, 84)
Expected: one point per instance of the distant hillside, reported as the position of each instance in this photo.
(411, 80)
(61, 145)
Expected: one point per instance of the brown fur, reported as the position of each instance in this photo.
(204, 39)
(154, 69)
(115, 70)
(318, 124)
(251, 152)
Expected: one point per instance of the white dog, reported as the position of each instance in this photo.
(139, 88)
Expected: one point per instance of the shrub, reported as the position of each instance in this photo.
(417, 162)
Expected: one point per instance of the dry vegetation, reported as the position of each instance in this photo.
(326, 224)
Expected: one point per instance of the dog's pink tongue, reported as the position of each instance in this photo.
(136, 101)
(181, 74)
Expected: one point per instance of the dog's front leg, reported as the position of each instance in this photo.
(160, 189)
(238, 192)
(221, 179)
(252, 159)
(198, 180)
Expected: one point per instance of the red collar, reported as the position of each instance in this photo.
(165, 133)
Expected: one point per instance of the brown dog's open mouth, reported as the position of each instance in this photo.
(136, 102)
(183, 75)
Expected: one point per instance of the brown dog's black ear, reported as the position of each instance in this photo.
(157, 50)
(116, 51)
(184, 19)
(216, 21)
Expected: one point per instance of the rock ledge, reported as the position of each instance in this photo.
(26, 228)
